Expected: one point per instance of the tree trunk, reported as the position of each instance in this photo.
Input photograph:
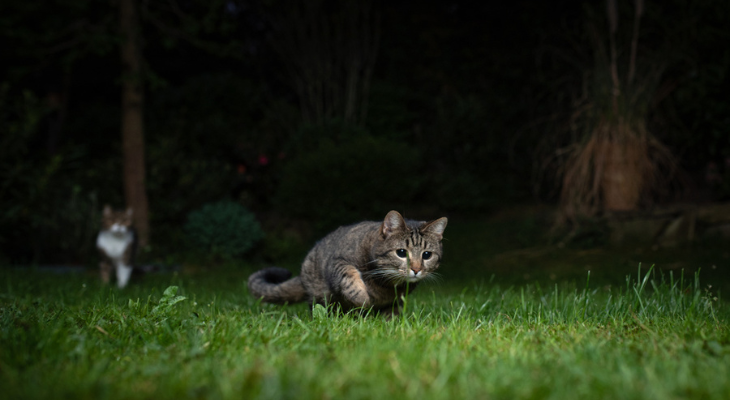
(135, 193)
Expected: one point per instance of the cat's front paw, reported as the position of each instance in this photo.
(354, 289)
(361, 299)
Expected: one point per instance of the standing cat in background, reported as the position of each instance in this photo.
(369, 264)
(117, 243)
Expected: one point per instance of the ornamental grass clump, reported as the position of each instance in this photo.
(614, 163)
(618, 166)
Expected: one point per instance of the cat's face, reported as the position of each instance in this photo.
(118, 222)
(409, 252)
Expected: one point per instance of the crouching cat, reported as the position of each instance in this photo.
(368, 265)
(117, 243)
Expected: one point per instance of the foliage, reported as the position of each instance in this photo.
(343, 182)
(200, 133)
(612, 160)
(652, 338)
(167, 302)
(56, 34)
(329, 50)
(463, 191)
(183, 173)
(462, 139)
(284, 247)
(46, 210)
(389, 113)
(224, 229)
(457, 87)
(700, 108)
(471, 166)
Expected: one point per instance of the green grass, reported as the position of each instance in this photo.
(657, 336)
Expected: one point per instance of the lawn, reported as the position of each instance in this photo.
(659, 335)
(509, 320)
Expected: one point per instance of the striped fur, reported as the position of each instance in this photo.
(365, 265)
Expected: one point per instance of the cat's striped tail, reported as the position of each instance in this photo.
(273, 285)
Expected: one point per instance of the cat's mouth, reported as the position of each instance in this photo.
(414, 276)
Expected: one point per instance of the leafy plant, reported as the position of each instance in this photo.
(225, 229)
(168, 300)
(47, 213)
(359, 178)
(229, 115)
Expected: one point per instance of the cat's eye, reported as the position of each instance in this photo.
(402, 253)
(426, 255)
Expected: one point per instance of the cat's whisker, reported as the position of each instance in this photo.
(395, 276)
(433, 277)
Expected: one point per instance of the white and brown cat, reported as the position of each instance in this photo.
(117, 243)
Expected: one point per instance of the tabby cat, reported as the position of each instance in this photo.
(117, 244)
(368, 265)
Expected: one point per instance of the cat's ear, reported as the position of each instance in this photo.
(393, 223)
(436, 227)
(107, 210)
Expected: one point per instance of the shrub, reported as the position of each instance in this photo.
(47, 213)
(463, 191)
(362, 178)
(223, 112)
(225, 229)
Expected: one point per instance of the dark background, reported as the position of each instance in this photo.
(466, 106)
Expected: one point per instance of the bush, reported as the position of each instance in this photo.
(48, 213)
(462, 191)
(194, 144)
(361, 178)
(225, 229)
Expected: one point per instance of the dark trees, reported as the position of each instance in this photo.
(329, 49)
(133, 146)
